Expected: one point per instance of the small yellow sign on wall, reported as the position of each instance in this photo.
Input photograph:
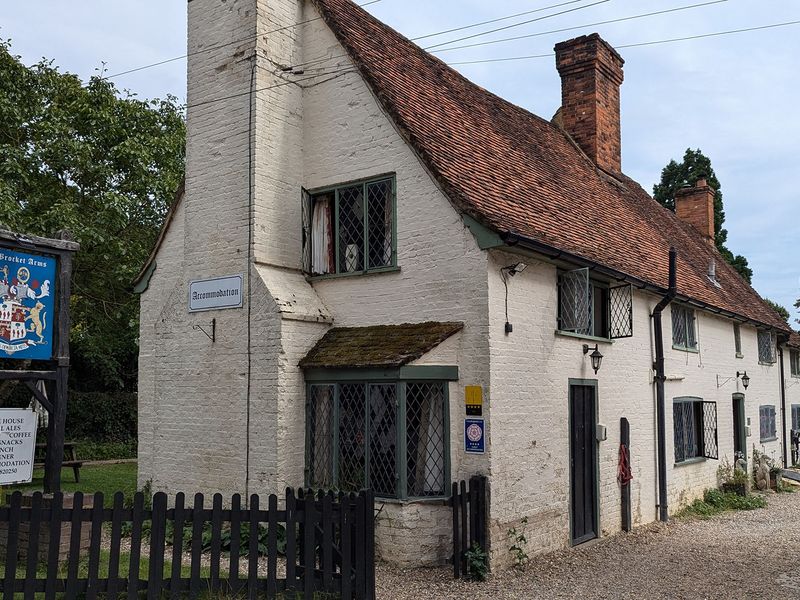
(473, 398)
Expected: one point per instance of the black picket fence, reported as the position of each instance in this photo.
(469, 520)
(315, 546)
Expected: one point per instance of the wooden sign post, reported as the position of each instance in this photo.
(35, 276)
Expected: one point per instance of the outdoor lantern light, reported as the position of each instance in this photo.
(510, 270)
(597, 358)
(745, 378)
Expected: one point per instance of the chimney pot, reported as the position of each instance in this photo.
(591, 76)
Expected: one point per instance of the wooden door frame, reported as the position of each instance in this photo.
(593, 384)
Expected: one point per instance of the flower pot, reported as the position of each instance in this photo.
(775, 481)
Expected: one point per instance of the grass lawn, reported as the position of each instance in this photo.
(94, 478)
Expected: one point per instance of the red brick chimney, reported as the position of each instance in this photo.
(695, 205)
(591, 75)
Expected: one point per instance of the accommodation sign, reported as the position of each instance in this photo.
(26, 305)
(17, 445)
(215, 294)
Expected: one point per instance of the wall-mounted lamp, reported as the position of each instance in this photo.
(504, 273)
(745, 378)
(597, 358)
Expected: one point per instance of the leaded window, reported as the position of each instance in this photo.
(737, 339)
(388, 436)
(683, 328)
(796, 417)
(695, 429)
(766, 347)
(593, 308)
(794, 362)
(350, 228)
(767, 426)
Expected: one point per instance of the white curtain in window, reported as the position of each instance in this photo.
(322, 237)
(434, 466)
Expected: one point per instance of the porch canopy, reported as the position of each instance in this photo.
(377, 346)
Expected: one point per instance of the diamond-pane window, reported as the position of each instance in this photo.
(766, 347)
(352, 450)
(320, 425)
(379, 224)
(794, 362)
(694, 424)
(357, 440)
(425, 435)
(349, 229)
(591, 308)
(683, 330)
(383, 439)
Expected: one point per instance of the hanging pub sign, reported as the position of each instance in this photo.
(26, 305)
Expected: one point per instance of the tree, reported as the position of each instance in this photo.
(797, 306)
(778, 308)
(695, 166)
(103, 165)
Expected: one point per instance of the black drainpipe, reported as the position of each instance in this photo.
(783, 407)
(658, 366)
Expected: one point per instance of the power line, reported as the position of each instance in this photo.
(620, 20)
(474, 35)
(218, 47)
(636, 45)
(522, 14)
(327, 58)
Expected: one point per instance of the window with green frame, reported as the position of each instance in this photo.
(350, 228)
(389, 436)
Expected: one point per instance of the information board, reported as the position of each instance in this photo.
(17, 445)
(474, 436)
(27, 317)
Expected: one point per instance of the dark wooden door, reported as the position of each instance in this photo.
(583, 464)
(739, 433)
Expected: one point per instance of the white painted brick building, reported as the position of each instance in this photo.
(293, 102)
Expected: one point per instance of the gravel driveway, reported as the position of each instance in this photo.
(746, 554)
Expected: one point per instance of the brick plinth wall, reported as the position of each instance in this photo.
(591, 76)
(44, 532)
(695, 205)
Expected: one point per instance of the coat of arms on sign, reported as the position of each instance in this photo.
(26, 305)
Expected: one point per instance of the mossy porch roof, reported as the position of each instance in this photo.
(377, 346)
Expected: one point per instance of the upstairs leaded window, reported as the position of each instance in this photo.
(794, 362)
(683, 329)
(594, 308)
(766, 347)
(350, 228)
(391, 437)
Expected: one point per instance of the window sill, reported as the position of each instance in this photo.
(685, 349)
(380, 271)
(766, 364)
(767, 440)
(580, 336)
(691, 461)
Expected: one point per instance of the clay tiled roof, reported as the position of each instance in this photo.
(378, 346)
(517, 173)
(794, 339)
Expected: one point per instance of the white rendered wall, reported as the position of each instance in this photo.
(529, 436)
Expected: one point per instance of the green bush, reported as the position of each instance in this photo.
(91, 450)
(101, 417)
(716, 501)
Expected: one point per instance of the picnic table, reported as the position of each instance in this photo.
(70, 458)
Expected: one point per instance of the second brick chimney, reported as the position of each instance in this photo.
(695, 205)
(591, 76)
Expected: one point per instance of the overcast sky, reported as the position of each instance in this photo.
(733, 96)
